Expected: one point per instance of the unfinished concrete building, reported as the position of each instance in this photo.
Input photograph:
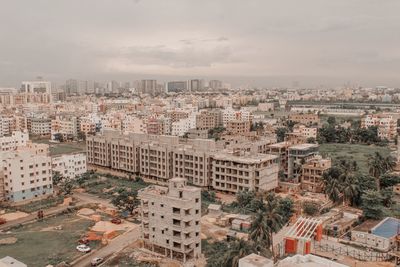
(160, 158)
(237, 171)
(312, 172)
(171, 219)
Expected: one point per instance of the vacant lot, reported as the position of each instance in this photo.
(105, 186)
(359, 153)
(39, 244)
(62, 148)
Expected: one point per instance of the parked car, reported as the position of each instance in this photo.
(96, 261)
(83, 248)
(2, 221)
(116, 221)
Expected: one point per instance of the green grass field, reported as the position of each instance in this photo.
(359, 153)
(96, 185)
(62, 148)
(39, 244)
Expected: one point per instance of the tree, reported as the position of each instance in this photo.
(331, 183)
(379, 165)
(237, 249)
(57, 177)
(285, 209)
(331, 121)
(311, 140)
(125, 200)
(260, 231)
(388, 180)
(65, 186)
(310, 208)
(372, 205)
(266, 222)
(280, 133)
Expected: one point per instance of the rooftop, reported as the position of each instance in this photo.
(389, 227)
(255, 261)
(303, 146)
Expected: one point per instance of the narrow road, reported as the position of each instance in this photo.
(115, 245)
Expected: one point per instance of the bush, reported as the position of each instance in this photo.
(310, 208)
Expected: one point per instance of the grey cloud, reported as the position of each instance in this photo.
(92, 38)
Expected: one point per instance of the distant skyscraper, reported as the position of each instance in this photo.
(71, 86)
(36, 87)
(176, 86)
(148, 87)
(215, 84)
(195, 85)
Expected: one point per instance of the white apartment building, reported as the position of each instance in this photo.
(134, 125)
(26, 174)
(171, 219)
(6, 125)
(229, 114)
(40, 126)
(70, 165)
(386, 124)
(17, 139)
(182, 126)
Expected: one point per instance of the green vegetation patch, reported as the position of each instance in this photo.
(39, 244)
(356, 152)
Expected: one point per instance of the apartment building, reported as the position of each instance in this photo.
(207, 120)
(229, 114)
(312, 171)
(307, 132)
(88, 127)
(157, 126)
(70, 165)
(171, 219)
(299, 155)
(67, 127)
(26, 174)
(236, 171)
(180, 128)
(161, 158)
(39, 126)
(307, 119)
(386, 124)
(238, 127)
(17, 139)
(7, 125)
(194, 163)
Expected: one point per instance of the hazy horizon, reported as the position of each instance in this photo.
(260, 43)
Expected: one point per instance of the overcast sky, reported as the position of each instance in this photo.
(248, 41)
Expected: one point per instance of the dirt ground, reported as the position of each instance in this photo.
(14, 215)
(106, 226)
(210, 230)
(225, 198)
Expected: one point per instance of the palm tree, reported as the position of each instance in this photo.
(237, 249)
(331, 184)
(260, 230)
(379, 165)
(266, 222)
(350, 190)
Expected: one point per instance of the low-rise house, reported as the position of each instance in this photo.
(379, 235)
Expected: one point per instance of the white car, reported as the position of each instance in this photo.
(83, 248)
(96, 261)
